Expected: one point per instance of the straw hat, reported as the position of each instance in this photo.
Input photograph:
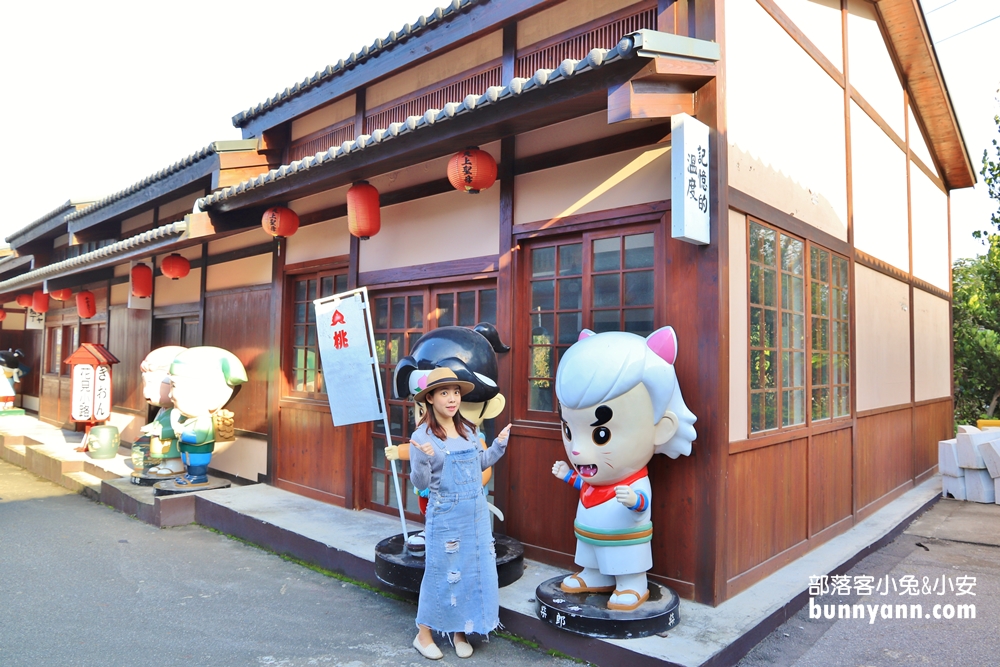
(441, 377)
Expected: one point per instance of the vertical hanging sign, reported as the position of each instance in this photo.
(690, 193)
(349, 372)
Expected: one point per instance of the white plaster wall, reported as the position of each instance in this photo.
(119, 295)
(320, 201)
(917, 143)
(739, 326)
(244, 272)
(167, 292)
(878, 172)
(143, 219)
(929, 207)
(325, 117)
(181, 205)
(931, 346)
(574, 131)
(14, 321)
(256, 236)
(622, 179)
(319, 241)
(449, 226)
(883, 340)
(245, 457)
(122, 269)
(871, 70)
(785, 119)
(29, 402)
(821, 23)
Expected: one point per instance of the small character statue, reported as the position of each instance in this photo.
(472, 355)
(202, 382)
(12, 365)
(620, 404)
(163, 451)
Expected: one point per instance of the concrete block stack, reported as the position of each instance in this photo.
(962, 461)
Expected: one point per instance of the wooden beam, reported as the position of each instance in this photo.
(582, 94)
(77, 279)
(750, 205)
(461, 267)
(637, 100)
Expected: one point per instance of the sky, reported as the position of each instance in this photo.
(104, 93)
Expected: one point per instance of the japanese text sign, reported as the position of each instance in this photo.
(690, 176)
(91, 397)
(342, 325)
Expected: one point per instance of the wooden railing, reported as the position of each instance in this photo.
(603, 33)
(320, 141)
(433, 97)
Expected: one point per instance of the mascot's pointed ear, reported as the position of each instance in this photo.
(586, 333)
(663, 342)
(494, 407)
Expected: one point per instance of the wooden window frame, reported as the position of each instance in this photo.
(809, 423)
(608, 226)
(308, 271)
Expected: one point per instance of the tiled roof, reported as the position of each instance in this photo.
(494, 95)
(66, 206)
(195, 157)
(422, 24)
(82, 261)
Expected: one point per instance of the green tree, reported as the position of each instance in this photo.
(976, 313)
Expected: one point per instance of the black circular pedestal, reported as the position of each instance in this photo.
(141, 478)
(403, 571)
(588, 614)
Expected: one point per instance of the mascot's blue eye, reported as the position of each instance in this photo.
(567, 432)
(601, 435)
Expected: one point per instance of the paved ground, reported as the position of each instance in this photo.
(952, 540)
(82, 585)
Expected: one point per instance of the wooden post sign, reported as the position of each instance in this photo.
(691, 196)
(351, 374)
(91, 397)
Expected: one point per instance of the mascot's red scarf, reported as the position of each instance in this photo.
(595, 495)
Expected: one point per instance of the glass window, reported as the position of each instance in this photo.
(780, 334)
(599, 282)
(303, 369)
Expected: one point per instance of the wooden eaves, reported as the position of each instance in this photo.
(509, 111)
(910, 40)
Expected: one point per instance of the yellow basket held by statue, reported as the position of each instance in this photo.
(224, 426)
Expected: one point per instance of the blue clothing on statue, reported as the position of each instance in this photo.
(459, 591)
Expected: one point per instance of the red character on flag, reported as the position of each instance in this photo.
(339, 339)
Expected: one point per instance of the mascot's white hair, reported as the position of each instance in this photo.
(601, 367)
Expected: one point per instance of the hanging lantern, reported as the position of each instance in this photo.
(280, 222)
(364, 218)
(142, 281)
(61, 294)
(40, 302)
(472, 170)
(86, 306)
(175, 266)
(3, 315)
(24, 300)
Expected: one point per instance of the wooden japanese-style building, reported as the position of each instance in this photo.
(814, 328)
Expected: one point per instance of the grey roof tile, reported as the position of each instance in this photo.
(68, 206)
(422, 24)
(494, 95)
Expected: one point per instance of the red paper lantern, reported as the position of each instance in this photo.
(364, 217)
(142, 281)
(61, 294)
(24, 300)
(3, 315)
(472, 170)
(280, 222)
(86, 306)
(40, 302)
(175, 266)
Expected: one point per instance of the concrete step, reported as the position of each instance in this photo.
(51, 462)
(139, 501)
(83, 483)
(13, 454)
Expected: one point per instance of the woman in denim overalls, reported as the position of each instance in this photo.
(459, 592)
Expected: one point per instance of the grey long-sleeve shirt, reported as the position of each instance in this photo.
(425, 471)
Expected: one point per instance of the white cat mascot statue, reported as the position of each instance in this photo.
(620, 404)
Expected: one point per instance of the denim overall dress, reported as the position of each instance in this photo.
(459, 592)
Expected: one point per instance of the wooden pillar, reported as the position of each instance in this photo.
(506, 287)
(274, 361)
